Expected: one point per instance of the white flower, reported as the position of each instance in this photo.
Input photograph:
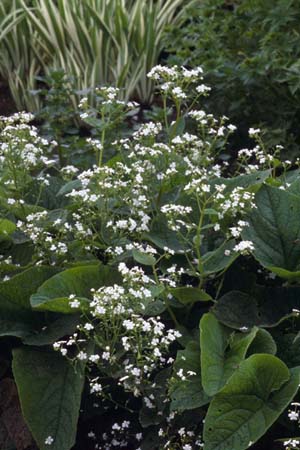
(244, 247)
(49, 440)
(75, 303)
(293, 415)
(254, 131)
(82, 356)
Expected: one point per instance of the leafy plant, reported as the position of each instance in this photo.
(249, 51)
(153, 288)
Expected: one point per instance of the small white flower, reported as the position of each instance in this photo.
(49, 440)
(293, 415)
(254, 131)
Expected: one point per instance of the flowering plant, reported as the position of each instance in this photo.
(107, 271)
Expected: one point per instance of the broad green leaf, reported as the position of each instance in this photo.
(190, 295)
(266, 307)
(275, 231)
(54, 294)
(262, 343)
(64, 325)
(50, 394)
(143, 258)
(216, 260)
(15, 296)
(186, 390)
(254, 397)
(15, 328)
(221, 352)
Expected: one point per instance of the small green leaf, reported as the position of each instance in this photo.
(50, 394)
(177, 128)
(143, 258)
(162, 236)
(253, 398)
(221, 352)
(7, 227)
(217, 260)
(190, 295)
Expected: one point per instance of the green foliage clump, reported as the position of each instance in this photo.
(250, 52)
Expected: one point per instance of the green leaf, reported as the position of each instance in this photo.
(50, 394)
(143, 258)
(69, 186)
(64, 325)
(190, 295)
(244, 181)
(155, 308)
(54, 294)
(15, 295)
(275, 231)
(262, 343)
(7, 227)
(162, 236)
(254, 397)
(15, 328)
(221, 352)
(216, 260)
(177, 128)
(187, 393)
(266, 307)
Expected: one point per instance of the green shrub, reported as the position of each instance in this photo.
(250, 51)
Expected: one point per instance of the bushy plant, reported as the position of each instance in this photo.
(249, 51)
(156, 290)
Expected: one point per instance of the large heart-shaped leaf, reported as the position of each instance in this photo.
(52, 332)
(274, 229)
(266, 307)
(221, 352)
(50, 393)
(54, 294)
(17, 318)
(186, 389)
(254, 397)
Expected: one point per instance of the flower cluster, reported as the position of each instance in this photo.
(125, 337)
